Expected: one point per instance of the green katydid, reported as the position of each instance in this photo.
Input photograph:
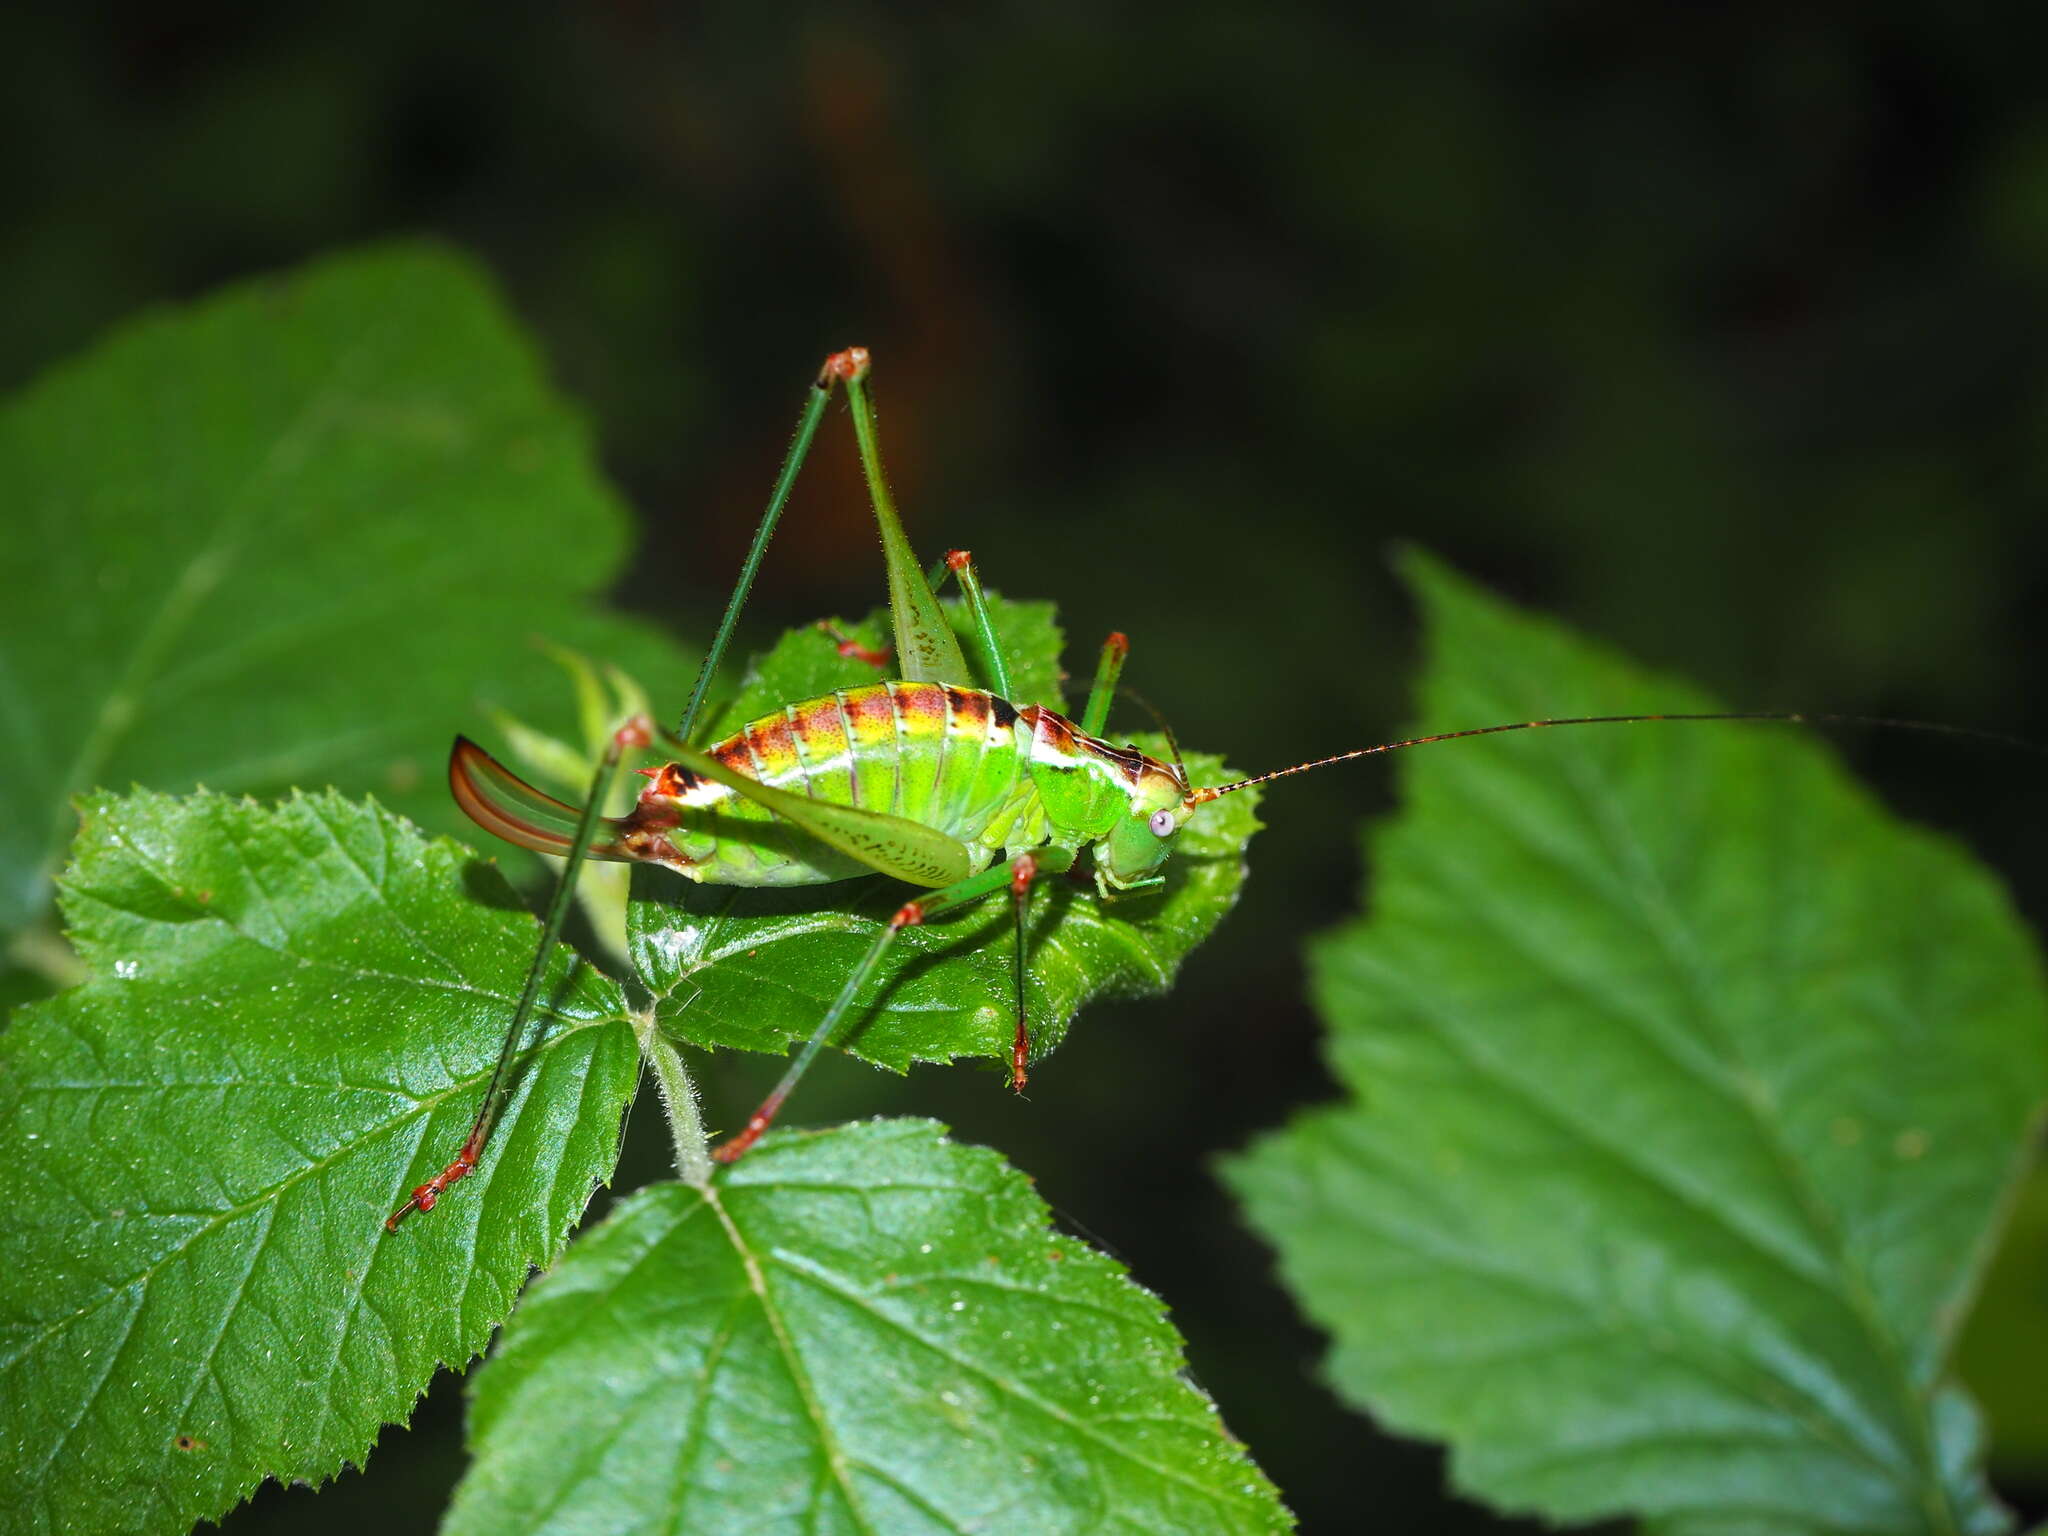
(949, 787)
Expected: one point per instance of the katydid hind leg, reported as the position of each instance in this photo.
(778, 498)
(888, 844)
(926, 648)
(502, 803)
(929, 651)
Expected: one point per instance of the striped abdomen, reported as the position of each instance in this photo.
(947, 757)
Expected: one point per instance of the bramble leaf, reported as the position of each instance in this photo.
(296, 533)
(290, 1020)
(864, 1329)
(756, 969)
(1687, 1089)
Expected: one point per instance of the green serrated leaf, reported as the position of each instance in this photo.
(1688, 1086)
(866, 1329)
(295, 533)
(756, 969)
(292, 1014)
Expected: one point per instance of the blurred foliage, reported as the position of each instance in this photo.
(281, 537)
(1715, 330)
(2002, 1348)
(1687, 1094)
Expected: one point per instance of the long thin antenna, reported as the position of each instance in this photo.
(1794, 717)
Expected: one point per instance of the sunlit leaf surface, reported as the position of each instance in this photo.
(868, 1329)
(291, 1017)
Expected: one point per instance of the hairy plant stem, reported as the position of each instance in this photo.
(679, 1098)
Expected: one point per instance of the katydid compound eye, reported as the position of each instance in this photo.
(1162, 823)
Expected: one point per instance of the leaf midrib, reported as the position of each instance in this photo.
(836, 1460)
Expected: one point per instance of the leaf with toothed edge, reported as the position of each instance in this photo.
(858, 1330)
(756, 969)
(291, 1017)
(1688, 1093)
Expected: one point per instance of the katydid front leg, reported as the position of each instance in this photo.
(1015, 875)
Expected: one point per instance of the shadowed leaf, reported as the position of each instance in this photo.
(294, 534)
(1687, 1087)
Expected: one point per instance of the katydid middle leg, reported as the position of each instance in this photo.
(851, 648)
(935, 578)
(1010, 874)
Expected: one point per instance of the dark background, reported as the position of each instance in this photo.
(1716, 331)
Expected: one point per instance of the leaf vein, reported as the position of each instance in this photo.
(838, 1286)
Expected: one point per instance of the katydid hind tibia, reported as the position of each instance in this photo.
(935, 778)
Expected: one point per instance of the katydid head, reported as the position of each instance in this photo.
(1139, 843)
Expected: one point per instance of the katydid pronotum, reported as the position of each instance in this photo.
(983, 795)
